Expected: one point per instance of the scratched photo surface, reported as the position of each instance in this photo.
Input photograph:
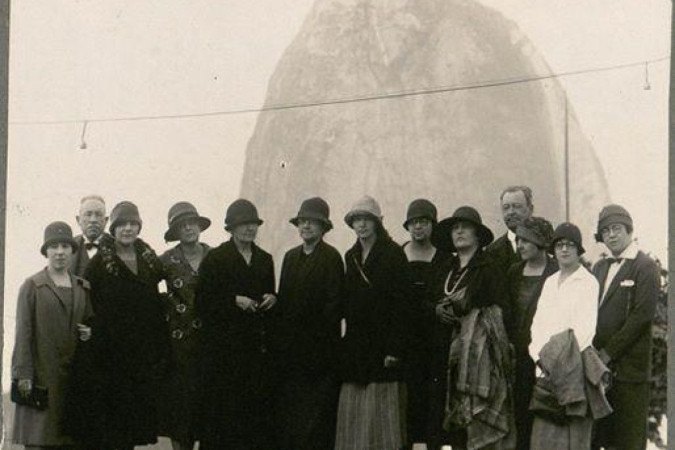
(157, 102)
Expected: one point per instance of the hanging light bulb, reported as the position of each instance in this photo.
(647, 86)
(83, 143)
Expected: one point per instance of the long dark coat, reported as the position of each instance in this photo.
(178, 401)
(120, 370)
(624, 333)
(485, 285)
(240, 350)
(46, 337)
(378, 305)
(310, 292)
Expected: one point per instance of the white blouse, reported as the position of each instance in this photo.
(572, 304)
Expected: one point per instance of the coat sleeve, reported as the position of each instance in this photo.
(213, 299)
(88, 315)
(511, 287)
(270, 281)
(22, 358)
(495, 291)
(333, 289)
(642, 311)
(400, 293)
(588, 313)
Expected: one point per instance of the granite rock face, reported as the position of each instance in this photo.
(454, 148)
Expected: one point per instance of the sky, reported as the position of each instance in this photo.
(78, 60)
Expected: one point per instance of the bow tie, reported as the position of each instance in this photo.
(614, 260)
(90, 245)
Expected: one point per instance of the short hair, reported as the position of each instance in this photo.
(92, 197)
(527, 192)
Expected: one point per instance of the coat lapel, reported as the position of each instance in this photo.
(602, 271)
(620, 276)
(47, 281)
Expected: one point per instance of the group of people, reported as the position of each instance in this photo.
(452, 338)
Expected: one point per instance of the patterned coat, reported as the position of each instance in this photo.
(178, 401)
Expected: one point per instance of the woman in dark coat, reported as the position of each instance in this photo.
(178, 400)
(371, 410)
(525, 281)
(131, 351)
(469, 280)
(309, 291)
(50, 314)
(236, 303)
(425, 261)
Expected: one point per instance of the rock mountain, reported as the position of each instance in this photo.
(457, 147)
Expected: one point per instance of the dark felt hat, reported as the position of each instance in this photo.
(420, 208)
(537, 230)
(442, 234)
(569, 231)
(57, 232)
(613, 214)
(179, 213)
(314, 208)
(239, 212)
(124, 212)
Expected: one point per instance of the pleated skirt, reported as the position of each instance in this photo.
(371, 416)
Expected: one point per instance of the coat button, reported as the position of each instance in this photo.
(177, 334)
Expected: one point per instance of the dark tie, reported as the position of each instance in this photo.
(90, 245)
(614, 260)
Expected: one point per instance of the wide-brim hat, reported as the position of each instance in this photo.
(418, 209)
(57, 232)
(239, 212)
(569, 231)
(124, 212)
(442, 234)
(314, 208)
(365, 206)
(179, 213)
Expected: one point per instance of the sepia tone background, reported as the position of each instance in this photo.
(77, 61)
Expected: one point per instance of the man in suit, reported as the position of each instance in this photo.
(92, 219)
(516, 203)
(629, 287)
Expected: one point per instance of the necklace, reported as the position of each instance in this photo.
(456, 285)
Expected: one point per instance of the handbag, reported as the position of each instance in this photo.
(38, 397)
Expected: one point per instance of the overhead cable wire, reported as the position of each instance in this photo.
(358, 99)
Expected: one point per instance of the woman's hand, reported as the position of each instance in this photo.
(269, 300)
(84, 332)
(25, 387)
(246, 304)
(390, 362)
